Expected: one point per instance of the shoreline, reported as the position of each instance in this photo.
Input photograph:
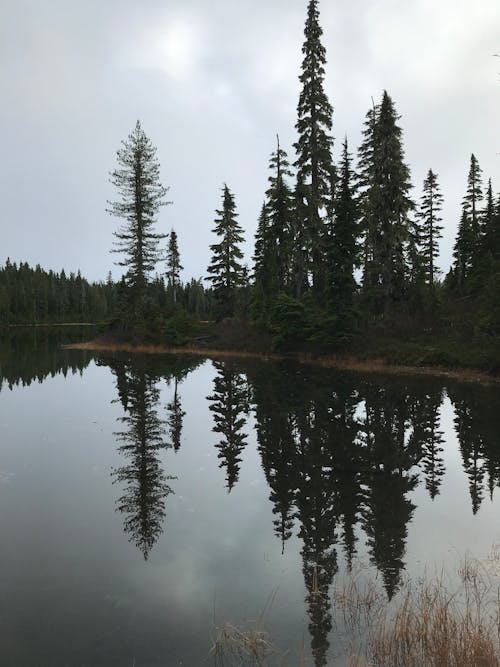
(51, 325)
(375, 365)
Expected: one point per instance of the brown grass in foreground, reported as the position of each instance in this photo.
(428, 624)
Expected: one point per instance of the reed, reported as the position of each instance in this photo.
(431, 623)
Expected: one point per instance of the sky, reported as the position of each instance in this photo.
(213, 82)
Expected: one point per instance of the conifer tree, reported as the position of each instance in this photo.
(262, 266)
(299, 259)
(314, 145)
(490, 236)
(343, 251)
(386, 206)
(227, 272)
(463, 251)
(141, 195)
(173, 265)
(430, 229)
(467, 251)
(366, 205)
(260, 258)
(471, 204)
(280, 211)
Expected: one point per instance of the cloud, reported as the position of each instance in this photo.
(212, 84)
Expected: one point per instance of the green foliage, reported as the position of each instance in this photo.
(174, 267)
(430, 229)
(288, 320)
(141, 194)
(177, 329)
(227, 272)
(33, 296)
(342, 254)
(313, 147)
(386, 205)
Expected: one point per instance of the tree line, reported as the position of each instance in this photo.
(340, 246)
(337, 246)
(33, 296)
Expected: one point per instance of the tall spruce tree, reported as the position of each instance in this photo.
(227, 272)
(141, 195)
(343, 253)
(467, 250)
(472, 204)
(262, 266)
(260, 260)
(174, 266)
(462, 252)
(365, 174)
(386, 205)
(430, 229)
(299, 259)
(488, 222)
(314, 146)
(280, 211)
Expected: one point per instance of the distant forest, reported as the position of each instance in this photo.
(340, 249)
(36, 296)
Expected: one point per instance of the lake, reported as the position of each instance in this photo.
(146, 501)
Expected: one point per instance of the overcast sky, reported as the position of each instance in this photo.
(212, 83)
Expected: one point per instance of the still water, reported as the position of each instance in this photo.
(145, 501)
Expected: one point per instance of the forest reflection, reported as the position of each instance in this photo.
(33, 354)
(341, 453)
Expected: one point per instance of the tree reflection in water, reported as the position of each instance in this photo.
(342, 455)
(145, 484)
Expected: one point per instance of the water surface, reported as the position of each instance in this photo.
(146, 500)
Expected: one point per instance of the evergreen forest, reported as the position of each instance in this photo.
(346, 252)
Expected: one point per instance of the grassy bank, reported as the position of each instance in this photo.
(373, 353)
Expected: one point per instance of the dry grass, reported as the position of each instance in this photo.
(340, 363)
(428, 624)
(250, 644)
(106, 346)
(240, 646)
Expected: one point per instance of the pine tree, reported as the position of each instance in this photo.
(471, 205)
(386, 206)
(430, 229)
(314, 145)
(280, 212)
(343, 251)
(260, 259)
(262, 266)
(463, 251)
(366, 205)
(141, 193)
(227, 272)
(173, 265)
(489, 241)
(300, 240)
(467, 251)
